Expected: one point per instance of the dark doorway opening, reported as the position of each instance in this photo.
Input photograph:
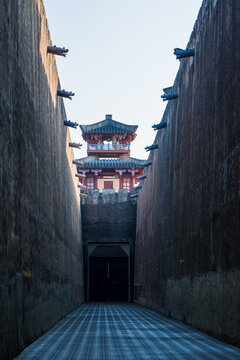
(108, 184)
(108, 279)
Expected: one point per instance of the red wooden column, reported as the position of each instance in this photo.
(120, 181)
(96, 178)
(120, 178)
(84, 180)
(132, 179)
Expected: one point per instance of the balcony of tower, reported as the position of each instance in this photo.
(108, 138)
(108, 150)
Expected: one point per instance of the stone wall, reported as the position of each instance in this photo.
(188, 223)
(40, 223)
(107, 218)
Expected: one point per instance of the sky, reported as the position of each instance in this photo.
(120, 58)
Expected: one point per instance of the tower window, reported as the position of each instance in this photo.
(90, 183)
(126, 183)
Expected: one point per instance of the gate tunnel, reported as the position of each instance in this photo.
(108, 273)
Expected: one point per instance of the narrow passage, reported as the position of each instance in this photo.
(119, 331)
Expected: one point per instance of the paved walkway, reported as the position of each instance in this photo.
(124, 332)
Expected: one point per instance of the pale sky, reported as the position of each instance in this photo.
(120, 58)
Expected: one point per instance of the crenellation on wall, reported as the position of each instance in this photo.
(107, 196)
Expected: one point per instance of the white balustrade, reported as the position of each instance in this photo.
(108, 146)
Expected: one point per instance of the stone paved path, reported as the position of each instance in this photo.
(124, 332)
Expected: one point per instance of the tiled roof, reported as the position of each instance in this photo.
(108, 126)
(111, 163)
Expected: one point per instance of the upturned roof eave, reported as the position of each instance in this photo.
(125, 162)
(111, 167)
(96, 128)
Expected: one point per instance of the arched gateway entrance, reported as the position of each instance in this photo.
(108, 273)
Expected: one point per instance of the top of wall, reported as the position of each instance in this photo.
(108, 196)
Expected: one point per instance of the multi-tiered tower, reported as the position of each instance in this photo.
(108, 164)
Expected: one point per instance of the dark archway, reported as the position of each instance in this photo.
(108, 274)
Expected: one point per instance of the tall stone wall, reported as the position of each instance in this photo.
(109, 218)
(40, 221)
(188, 223)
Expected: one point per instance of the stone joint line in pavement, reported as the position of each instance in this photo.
(119, 331)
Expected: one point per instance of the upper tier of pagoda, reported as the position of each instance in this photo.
(108, 164)
(108, 138)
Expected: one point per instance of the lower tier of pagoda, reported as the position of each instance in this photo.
(114, 174)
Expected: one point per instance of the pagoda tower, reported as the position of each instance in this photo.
(108, 164)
